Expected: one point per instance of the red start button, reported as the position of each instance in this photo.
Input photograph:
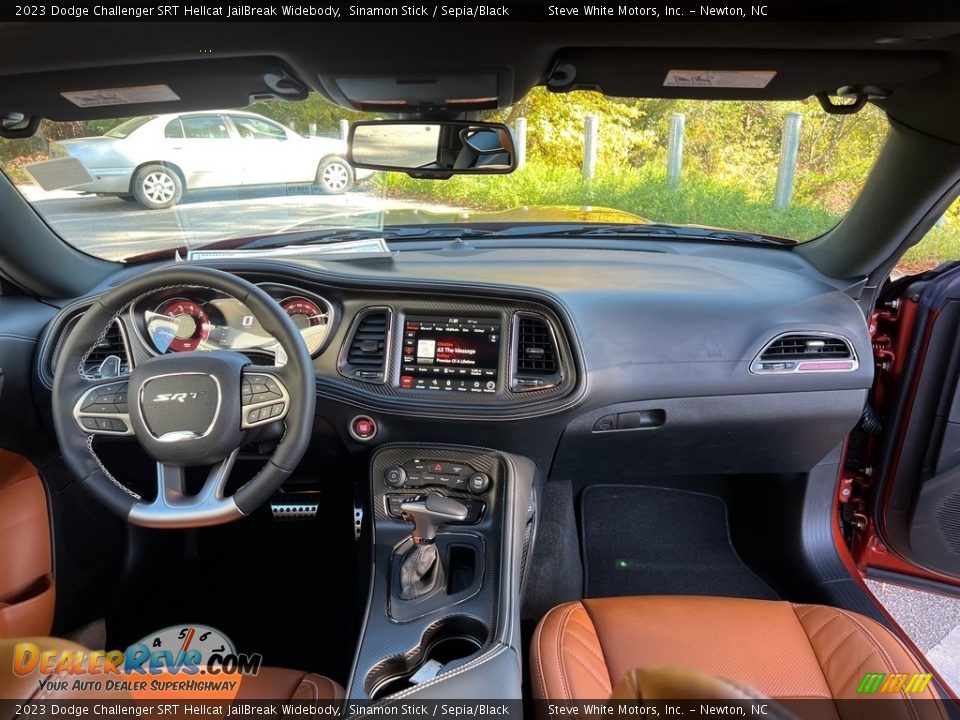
(363, 427)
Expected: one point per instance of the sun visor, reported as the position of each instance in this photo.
(732, 74)
(443, 92)
(149, 89)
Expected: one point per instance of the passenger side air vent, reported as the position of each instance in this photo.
(112, 348)
(365, 355)
(806, 352)
(536, 362)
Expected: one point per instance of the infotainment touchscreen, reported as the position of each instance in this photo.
(453, 354)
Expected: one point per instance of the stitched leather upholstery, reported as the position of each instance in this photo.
(582, 649)
(668, 683)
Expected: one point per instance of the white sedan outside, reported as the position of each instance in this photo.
(154, 159)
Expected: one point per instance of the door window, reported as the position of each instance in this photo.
(174, 129)
(250, 128)
(204, 127)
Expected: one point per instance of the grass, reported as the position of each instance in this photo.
(939, 245)
(698, 200)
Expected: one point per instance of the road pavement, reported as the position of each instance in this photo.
(114, 228)
(932, 621)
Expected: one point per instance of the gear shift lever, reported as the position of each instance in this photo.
(428, 515)
(421, 571)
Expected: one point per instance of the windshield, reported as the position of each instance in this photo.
(125, 128)
(124, 188)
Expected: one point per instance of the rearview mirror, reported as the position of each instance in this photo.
(432, 149)
(15, 125)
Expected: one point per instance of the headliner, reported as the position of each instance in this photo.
(40, 60)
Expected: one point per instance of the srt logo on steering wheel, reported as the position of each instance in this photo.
(178, 397)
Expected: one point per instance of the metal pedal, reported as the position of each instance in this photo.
(357, 521)
(295, 505)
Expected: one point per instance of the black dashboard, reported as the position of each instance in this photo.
(601, 347)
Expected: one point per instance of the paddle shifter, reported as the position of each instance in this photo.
(422, 572)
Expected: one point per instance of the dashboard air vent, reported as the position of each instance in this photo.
(113, 345)
(536, 361)
(806, 352)
(366, 352)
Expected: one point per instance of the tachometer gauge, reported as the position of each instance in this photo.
(310, 320)
(192, 326)
(304, 313)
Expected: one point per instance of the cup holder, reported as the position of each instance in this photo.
(450, 641)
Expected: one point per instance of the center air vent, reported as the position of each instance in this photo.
(112, 348)
(536, 363)
(365, 355)
(806, 352)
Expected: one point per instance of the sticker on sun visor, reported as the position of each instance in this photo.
(719, 78)
(121, 96)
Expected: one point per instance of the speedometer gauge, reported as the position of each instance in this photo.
(192, 326)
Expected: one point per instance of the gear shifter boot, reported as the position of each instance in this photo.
(421, 572)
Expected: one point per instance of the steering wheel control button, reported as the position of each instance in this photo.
(479, 483)
(105, 400)
(362, 428)
(395, 476)
(102, 410)
(264, 399)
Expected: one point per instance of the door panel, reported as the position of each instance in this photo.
(918, 495)
(269, 155)
(208, 154)
(26, 581)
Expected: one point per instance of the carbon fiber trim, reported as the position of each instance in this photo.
(385, 642)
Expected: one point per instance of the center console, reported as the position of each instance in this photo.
(450, 526)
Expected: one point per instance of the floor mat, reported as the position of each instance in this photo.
(287, 590)
(657, 541)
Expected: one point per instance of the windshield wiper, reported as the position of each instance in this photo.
(646, 230)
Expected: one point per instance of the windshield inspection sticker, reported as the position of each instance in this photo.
(121, 96)
(719, 78)
(366, 249)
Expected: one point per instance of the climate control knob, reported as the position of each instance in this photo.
(395, 476)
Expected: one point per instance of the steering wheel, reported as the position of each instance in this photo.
(187, 409)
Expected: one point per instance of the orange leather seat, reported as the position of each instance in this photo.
(582, 650)
(268, 684)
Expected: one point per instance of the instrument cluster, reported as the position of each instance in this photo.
(195, 319)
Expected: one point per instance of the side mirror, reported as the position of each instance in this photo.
(434, 150)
